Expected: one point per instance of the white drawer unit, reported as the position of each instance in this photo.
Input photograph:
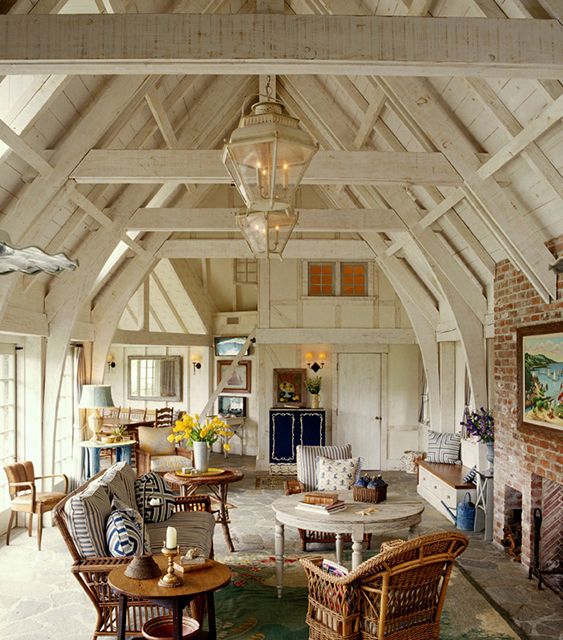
(443, 482)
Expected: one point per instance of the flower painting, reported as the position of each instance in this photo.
(541, 375)
(289, 387)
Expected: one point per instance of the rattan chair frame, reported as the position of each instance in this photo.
(92, 574)
(397, 595)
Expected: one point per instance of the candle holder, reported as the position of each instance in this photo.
(170, 579)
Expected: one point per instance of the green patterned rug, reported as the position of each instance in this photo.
(248, 608)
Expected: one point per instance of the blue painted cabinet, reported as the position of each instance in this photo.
(290, 427)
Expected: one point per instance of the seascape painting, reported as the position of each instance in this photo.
(542, 378)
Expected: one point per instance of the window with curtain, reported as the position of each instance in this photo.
(66, 415)
(7, 416)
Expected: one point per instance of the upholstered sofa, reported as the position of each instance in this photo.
(81, 518)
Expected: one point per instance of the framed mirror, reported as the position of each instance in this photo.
(154, 378)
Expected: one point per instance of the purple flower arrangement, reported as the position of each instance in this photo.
(480, 424)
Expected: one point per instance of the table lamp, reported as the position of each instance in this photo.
(95, 396)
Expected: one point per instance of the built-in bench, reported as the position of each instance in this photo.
(443, 482)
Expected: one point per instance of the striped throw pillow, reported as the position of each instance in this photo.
(155, 488)
(443, 447)
(306, 459)
(120, 481)
(86, 515)
(124, 531)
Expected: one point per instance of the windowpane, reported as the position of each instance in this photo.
(353, 279)
(321, 278)
(65, 418)
(7, 421)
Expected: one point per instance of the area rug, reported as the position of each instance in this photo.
(266, 481)
(248, 609)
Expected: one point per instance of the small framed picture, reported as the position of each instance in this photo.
(289, 387)
(232, 406)
(239, 380)
(229, 346)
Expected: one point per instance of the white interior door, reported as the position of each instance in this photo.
(359, 418)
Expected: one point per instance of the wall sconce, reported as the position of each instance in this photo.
(111, 361)
(315, 366)
(196, 363)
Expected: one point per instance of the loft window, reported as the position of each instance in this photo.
(321, 278)
(245, 271)
(337, 279)
(353, 279)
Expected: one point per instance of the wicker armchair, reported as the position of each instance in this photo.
(396, 595)
(92, 574)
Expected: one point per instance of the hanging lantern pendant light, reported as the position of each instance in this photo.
(267, 232)
(267, 155)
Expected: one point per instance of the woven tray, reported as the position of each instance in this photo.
(363, 494)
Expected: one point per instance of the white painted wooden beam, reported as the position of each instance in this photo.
(297, 249)
(539, 125)
(205, 167)
(222, 219)
(20, 147)
(161, 338)
(24, 321)
(279, 44)
(335, 336)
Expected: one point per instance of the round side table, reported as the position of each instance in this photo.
(199, 582)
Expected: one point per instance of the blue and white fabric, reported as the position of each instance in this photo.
(306, 459)
(155, 488)
(86, 514)
(124, 531)
(120, 481)
(336, 475)
(443, 447)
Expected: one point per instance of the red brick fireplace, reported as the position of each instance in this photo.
(527, 462)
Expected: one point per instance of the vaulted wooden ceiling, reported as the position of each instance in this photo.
(439, 124)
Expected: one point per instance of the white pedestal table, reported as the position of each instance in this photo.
(393, 514)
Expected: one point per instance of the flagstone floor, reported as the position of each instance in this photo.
(39, 598)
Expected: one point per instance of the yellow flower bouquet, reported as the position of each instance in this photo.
(188, 428)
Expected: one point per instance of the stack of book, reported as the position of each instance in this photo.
(321, 502)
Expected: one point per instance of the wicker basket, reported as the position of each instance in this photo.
(363, 494)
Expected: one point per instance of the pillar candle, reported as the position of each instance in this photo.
(171, 538)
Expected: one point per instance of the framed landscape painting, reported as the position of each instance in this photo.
(239, 380)
(540, 375)
(289, 387)
(232, 406)
(229, 346)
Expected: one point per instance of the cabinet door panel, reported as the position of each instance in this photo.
(283, 434)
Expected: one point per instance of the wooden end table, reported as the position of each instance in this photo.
(218, 485)
(199, 582)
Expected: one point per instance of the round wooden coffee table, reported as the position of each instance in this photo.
(199, 582)
(218, 486)
(394, 513)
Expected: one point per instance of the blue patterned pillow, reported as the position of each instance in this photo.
(124, 531)
(155, 488)
(336, 475)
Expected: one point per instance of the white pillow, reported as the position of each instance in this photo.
(336, 475)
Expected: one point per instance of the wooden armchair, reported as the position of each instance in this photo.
(164, 417)
(92, 574)
(307, 481)
(396, 595)
(26, 499)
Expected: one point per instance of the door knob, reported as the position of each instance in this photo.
(377, 418)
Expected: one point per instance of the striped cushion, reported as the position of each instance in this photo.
(443, 447)
(155, 488)
(194, 528)
(155, 441)
(120, 481)
(86, 514)
(124, 531)
(306, 458)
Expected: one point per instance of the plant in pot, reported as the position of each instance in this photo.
(119, 433)
(200, 436)
(480, 427)
(314, 387)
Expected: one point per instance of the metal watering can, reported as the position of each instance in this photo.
(464, 515)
